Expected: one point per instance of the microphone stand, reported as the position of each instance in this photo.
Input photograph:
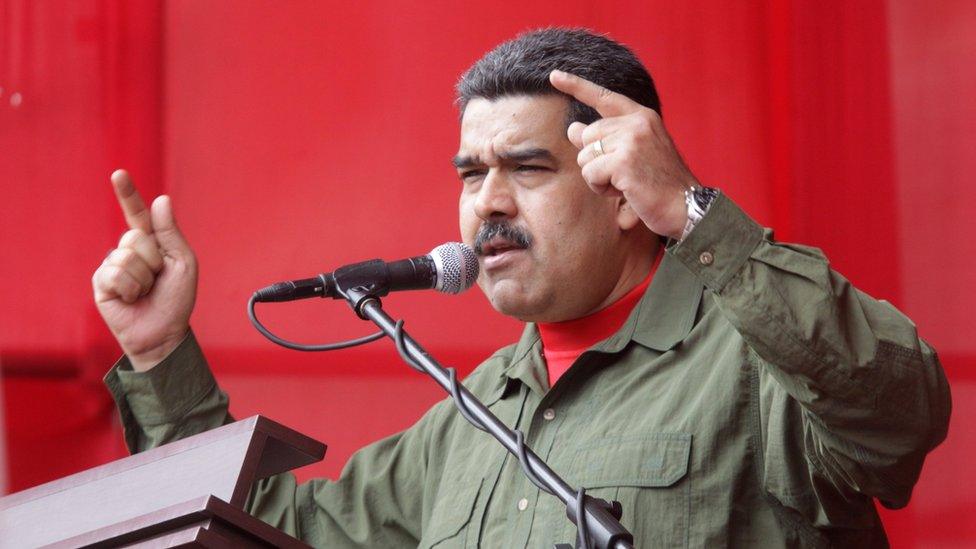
(597, 521)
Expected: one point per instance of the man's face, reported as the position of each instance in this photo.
(549, 248)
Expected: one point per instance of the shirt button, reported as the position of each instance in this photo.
(549, 414)
(706, 258)
(523, 504)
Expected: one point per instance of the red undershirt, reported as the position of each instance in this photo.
(564, 342)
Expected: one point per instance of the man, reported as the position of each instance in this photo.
(728, 391)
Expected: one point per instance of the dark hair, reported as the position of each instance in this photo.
(521, 67)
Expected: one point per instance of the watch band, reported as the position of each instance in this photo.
(697, 200)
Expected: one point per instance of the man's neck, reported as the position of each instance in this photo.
(634, 272)
(563, 342)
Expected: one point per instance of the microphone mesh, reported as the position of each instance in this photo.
(457, 267)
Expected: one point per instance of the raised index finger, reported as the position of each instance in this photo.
(133, 207)
(606, 102)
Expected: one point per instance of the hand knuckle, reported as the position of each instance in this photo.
(113, 257)
(129, 237)
(114, 276)
(121, 257)
(106, 273)
(185, 265)
(588, 173)
(132, 286)
(127, 255)
(123, 280)
(136, 238)
(644, 125)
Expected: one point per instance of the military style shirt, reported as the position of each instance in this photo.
(752, 398)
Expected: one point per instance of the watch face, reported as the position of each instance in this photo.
(704, 196)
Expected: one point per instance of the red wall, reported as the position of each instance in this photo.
(297, 137)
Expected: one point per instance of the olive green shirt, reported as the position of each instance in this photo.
(752, 398)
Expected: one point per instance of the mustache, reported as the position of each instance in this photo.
(514, 235)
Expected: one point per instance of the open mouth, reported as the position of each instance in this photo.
(499, 253)
(498, 246)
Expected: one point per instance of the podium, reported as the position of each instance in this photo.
(189, 493)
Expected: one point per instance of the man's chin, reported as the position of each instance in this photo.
(511, 299)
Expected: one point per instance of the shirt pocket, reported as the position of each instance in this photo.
(647, 474)
(450, 522)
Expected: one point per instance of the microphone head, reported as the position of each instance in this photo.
(457, 267)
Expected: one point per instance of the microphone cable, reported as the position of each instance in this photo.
(303, 347)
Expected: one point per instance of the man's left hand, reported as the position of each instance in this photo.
(638, 159)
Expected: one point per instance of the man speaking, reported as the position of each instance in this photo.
(727, 389)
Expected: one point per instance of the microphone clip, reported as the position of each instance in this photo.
(361, 282)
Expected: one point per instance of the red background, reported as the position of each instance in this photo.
(296, 137)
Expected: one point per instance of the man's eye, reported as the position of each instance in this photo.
(530, 168)
(471, 174)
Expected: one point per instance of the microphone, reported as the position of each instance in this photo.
(451, 267)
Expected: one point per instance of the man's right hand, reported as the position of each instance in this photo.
(146, 287)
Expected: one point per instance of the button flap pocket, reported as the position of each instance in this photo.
(452, 513)
(648, 460)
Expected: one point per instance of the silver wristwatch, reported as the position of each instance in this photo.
(697, 199)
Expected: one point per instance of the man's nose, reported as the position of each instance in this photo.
(495, 198)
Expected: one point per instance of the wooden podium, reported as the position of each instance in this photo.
(189, 493)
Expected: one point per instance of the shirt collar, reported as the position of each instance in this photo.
(666, 314)
(661, 320)
(527, 365)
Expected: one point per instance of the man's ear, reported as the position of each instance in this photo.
(627, 218)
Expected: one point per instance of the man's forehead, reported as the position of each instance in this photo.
(507, 125)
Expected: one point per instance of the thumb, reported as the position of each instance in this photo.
(167, 233)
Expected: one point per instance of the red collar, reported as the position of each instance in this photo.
(572, 337)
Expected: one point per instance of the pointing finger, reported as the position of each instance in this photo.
(133, 207)
(606, 102)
